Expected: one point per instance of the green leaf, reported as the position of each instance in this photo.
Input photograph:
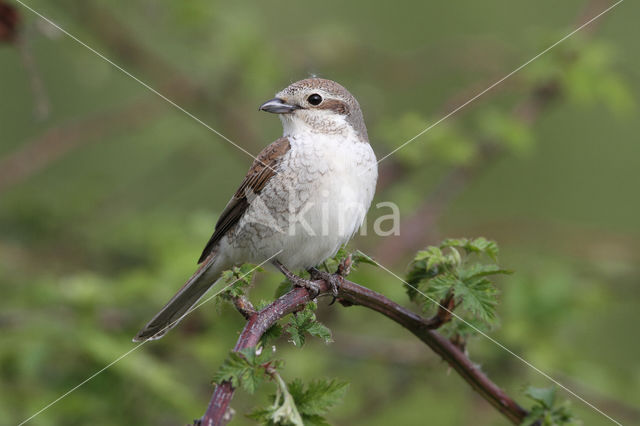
(417, 273)
(434, 257)
(319, 396)
(295, 402)
(461, 267)
(440, 286)
(479, 245)
(273, 333)
(478, 270)
(245, 368)
(239, 279)
(545, 411)
(478, 296)
(544, 396)
(305, 322)
(320, 330)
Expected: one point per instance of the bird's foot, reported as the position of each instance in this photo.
(312, 287)
(334, 280)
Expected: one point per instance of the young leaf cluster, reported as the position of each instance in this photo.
(458, 268)
(305, 322)
(546, 411)
(296, 403)
(241, 277)
(357, 258)
(246, 368)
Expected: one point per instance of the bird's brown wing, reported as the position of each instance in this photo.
(262, 169)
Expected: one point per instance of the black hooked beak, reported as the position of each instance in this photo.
(277, 106)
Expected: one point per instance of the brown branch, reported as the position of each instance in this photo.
(351, 293)
(244, 306)
(10, 21)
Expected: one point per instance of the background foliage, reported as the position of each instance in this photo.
(107, 202)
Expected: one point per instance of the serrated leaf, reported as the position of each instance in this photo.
(455, 267)
(239, 278)
(436, 257)
(454, 242)
(295, 336)
(422, 255)
(482, 245)
(310, 402)
(481, 270)
(440, 286)
(305, 322)
(274, 332)
(416, 274)
(544, 396)
(231, 370)
(454, 258)
(546, 412)
(320, 330)
(319, 396)
(244, 368)
(478, 297)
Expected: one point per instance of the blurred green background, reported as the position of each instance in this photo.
(107, 200)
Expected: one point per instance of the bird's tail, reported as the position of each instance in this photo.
(181, 303)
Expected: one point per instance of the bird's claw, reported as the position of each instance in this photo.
(334, 280)
(312, 287)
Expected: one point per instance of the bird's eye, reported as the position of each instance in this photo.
(314, 99)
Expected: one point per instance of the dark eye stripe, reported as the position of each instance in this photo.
(335, 105)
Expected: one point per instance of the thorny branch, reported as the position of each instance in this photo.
(350, 293)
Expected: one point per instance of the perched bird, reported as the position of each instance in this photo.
(304, 196)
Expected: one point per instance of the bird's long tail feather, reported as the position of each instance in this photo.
(181, 303)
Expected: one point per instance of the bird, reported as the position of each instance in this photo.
(305, 196)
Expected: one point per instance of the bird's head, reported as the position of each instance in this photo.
(319, 106)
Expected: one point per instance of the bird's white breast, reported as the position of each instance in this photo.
(336, 176)
(318, 199)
